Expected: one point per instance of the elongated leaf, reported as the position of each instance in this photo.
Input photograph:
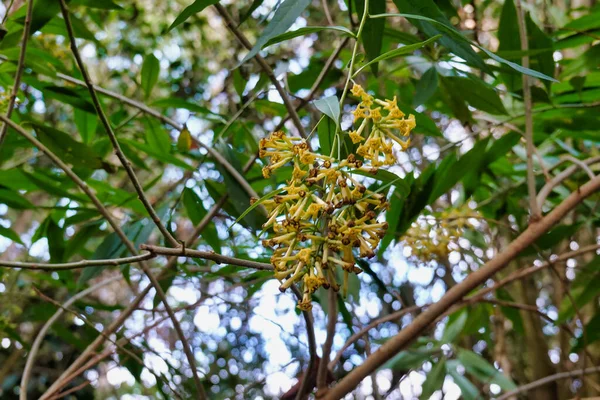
(329, 106)
(372, 33)
(477, 93)
(430, 10)
(483, 370)
(326, 132)
(196, 211)
(285, 15)
(156, 136)
(14, 200)
(434, 380)
(426, 87)
(70, 150)
(186, 105)
(150, 71)
(467, 389)
(194, 8)
(86, 124)
(256, 204)
(456, 35)
(10, 234)
(307, 30)
(408, 49)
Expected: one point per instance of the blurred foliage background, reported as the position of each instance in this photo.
(461, 197)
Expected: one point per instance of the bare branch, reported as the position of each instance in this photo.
(547, 188)
(206, 255)
(548, 379)
(76, 264)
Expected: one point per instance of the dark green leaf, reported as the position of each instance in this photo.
(483, 370)
(408, 49)
(10, 234)
(434, 380)
(196, 212)
(426, 87)
(285, 15)
(150, 71)
(86, 125)
(372, 33)
(477, 93)
(14, 200)
(326, 132)
(194, 8)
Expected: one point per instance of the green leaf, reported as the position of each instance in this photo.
(392, 216)
(194, 8)
(14, 200)
(467, 389)
(77, 99)
(592, 334)
(372, 33)
(326, 131)
(256, 204)
(99, 4)
(68, 149)
(86, 124)
(426, 87)
(284, 17)
(150, 71)
(307, 30)
(477, 93)
(156, 136)
(239, 82)
(196, 212)
(408, 49)
(329, 106)
(483, 370)
(429, 10)
(159, 155)
(455, 325)
(456, 35)
(586, 288)
(434, 380)
(10, 234)
(410, 359)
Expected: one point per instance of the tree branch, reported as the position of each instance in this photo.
(331, 322)
(455, 294)
(76, 264)
(534, 209)
(20, 68)
(206, 255)
(548, 379)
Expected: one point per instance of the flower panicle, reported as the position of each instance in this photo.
(323, 218)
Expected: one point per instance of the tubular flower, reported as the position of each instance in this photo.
(382, 121)
(323, 217)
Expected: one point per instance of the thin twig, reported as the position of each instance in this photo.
(20, 68)
(312, 348)
(547, 188)
(205, 255)
(332, 299)
(76, 264)
(265, 67)
(534, 209)
(548, 379)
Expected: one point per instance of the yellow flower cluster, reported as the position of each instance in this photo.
(385, 118)
(433, 238)
(319, 217)
(323, 216)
